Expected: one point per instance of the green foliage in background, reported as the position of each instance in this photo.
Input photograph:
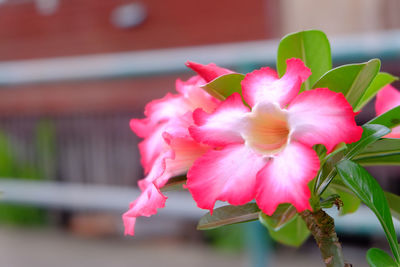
(12, 165)
(230, 238)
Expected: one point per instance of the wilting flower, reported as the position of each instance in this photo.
(168, 149)
(386, 99)
(265, 151)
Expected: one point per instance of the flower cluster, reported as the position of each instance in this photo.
(168, 150)
(255, 145)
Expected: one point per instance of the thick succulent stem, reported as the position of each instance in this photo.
(322, 227)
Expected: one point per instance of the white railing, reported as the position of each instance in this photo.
(384, 45)
(80, 197)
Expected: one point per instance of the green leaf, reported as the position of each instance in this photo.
(388, 160)
(352, 80)
(326, 173)
(390, 118)
(312, 47)
(294, 233)
(394, 204)
(378, 83)
(283, 214)
(371, 133)
(370, 192)
(225, 85)
(393, 200)
(385, 151)
(385, 146)
(229, 215)
(379, 258)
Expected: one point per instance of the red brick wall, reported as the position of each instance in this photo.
(84, 97)
(83, 27)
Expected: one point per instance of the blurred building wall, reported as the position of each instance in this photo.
(339, 16)
(85, 27)
(91, 118)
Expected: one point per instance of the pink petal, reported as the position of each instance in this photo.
(208, 72)
(295, 68)
(146, 204)
(321, 116)
(151, 147)
(176, 160)
(169, 106)
(163, 114)
(264, 85)
(172, 113)
(186, 151)
(129, 224)
(386, 99)
(183, 86)
(142, 127)
(285, 177)
(154, 145)
(196, 97)
(227, 175)
(395, 133)
(222, 127)
(178, 126)
(158, 170)
(260, 85)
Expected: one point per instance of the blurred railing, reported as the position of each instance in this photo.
(83, 197)
(385, 45)
(83, 148)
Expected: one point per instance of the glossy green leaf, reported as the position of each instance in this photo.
(352, 80)
(312, 47)
(371, 133)
(293, 233)
(370, 192)
(229, 215)
(326, 173)
(393, 200)
(283, 214)
(225, 85)
(388, 160)
(385, 146)
(338, 183)
(385, 151)
(390, 118)
(379, 258)
(394, 204)
(378, 83)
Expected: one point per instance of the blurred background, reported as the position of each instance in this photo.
(72, 75)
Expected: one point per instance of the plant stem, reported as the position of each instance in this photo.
(322, 227)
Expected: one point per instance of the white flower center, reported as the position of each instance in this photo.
(266, 129)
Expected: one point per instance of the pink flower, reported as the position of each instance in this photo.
(386, 99)
(265, 152)
(168, 149)
(208, 72)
